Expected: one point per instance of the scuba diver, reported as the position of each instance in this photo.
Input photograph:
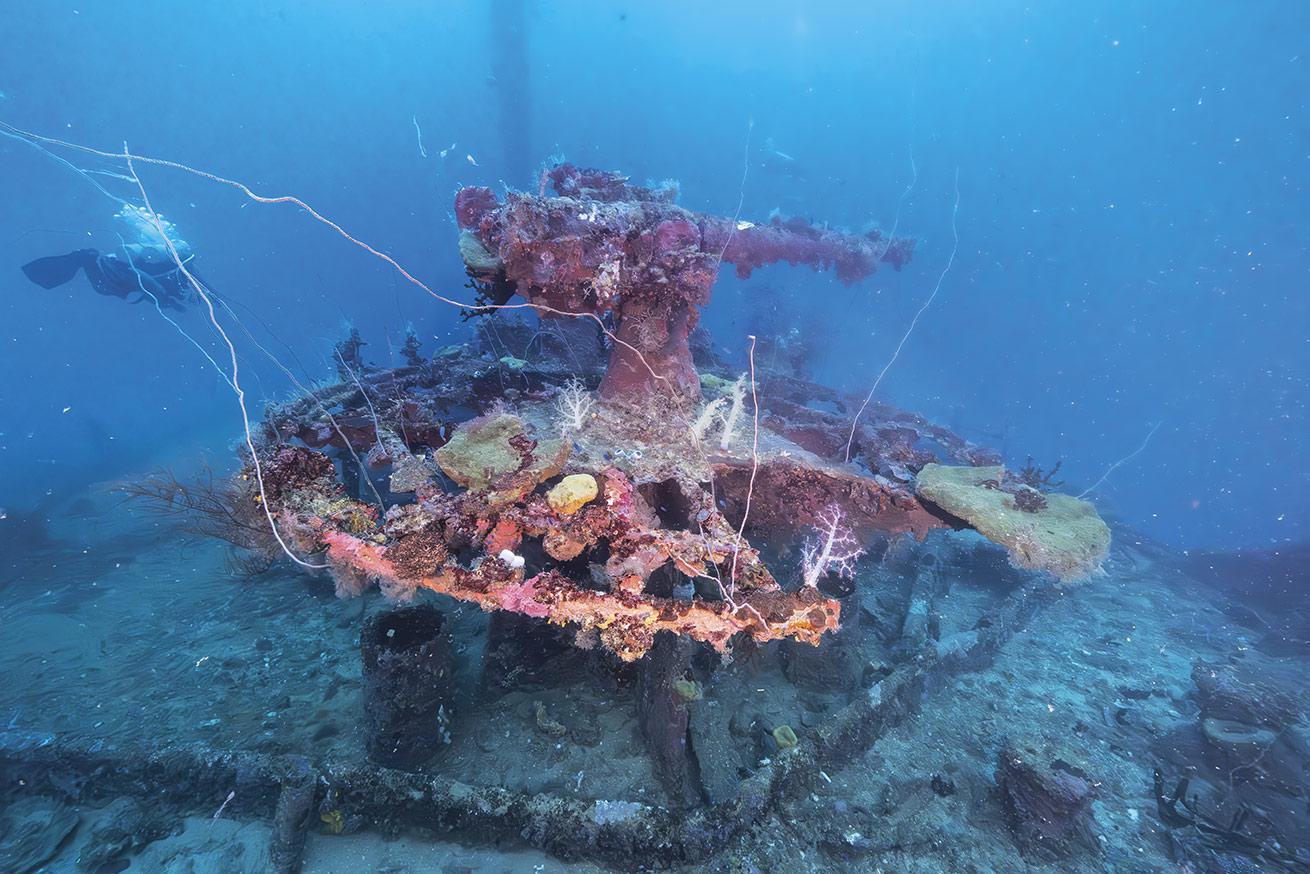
(146, 267)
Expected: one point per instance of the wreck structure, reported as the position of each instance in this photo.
(602, 246)
(627, 511)
(600, 474)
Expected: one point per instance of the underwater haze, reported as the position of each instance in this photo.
(746, 396)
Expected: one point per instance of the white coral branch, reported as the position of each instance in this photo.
(833, 549)
(711, 414)
(734, 412)
(573, 403)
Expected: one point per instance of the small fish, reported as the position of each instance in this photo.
(471, 160)
(447, 150)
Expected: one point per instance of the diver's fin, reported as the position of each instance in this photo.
(186, 288)
(54, 271)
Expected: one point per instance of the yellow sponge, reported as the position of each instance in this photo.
(572, 494)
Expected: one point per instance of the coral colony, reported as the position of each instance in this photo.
(620, 497)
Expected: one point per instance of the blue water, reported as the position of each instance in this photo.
(1130, 200)
(1112, 265)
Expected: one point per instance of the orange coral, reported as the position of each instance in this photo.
(627, 622)
(413, 551)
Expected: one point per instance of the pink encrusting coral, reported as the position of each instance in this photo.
(601, 246)
(412, 550)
